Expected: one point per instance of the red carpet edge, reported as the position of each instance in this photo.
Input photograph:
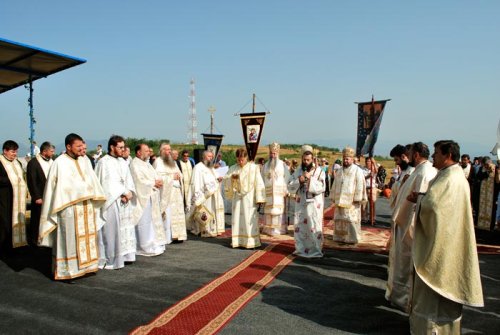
(211, 307)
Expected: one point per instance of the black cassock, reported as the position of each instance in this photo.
(36, 180)
(6, 198)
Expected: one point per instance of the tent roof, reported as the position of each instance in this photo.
(19, 61)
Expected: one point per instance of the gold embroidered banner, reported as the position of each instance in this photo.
(252, 125)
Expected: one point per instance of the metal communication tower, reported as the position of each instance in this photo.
(192, 135)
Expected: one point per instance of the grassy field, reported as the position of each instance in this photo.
(290, 152)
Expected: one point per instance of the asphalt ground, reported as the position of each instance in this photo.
(341, 293)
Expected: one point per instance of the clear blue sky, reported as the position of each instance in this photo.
(307, 61)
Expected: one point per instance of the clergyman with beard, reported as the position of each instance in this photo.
(308, 183)
(400, 273)
(116, 227)
(171, 193)
(400, 155)
(349, 192)
(276, 177)
(206, 210)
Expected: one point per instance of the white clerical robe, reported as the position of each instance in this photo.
(308, 231)
(187, 173)
(45, 164)
(245, 187)
(349, 191)
(172, 199)
(151, 236)
(400, 272)
(67, 223)
(397, 184)
(275, 180)
(116, 231)
(19, 191)
(205, 195)
(444, 252)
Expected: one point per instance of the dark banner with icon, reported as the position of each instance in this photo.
(369, 120)
(252, 125)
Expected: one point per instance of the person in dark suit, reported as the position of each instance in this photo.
(36, 176)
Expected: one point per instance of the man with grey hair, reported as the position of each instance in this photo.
(206, 214)
(171, 193)
(276, 177)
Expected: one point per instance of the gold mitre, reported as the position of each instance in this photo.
(348, 152)
(306, 147)
(274, 147)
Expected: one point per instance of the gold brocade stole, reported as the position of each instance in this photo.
(85, 230)
(245, 180)
(19, 191)
(275, 196)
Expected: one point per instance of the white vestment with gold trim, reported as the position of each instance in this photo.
(151, 236)
(348, 193)
(19, 191)
(205, 191)
(68, 218)
(245, 187)
(172, 199)
(275, 180)
(400, 272)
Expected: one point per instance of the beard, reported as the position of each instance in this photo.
(404, 165)
(168, 160)
(306, 167)
(209, 164)
(272, 163)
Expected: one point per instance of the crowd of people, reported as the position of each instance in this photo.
(99, 212)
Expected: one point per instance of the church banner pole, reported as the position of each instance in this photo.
(372, 203)
(32, 117)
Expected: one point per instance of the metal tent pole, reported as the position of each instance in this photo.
(32, 118)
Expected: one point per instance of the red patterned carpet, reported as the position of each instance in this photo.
(207, 310)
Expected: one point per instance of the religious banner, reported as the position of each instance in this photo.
(213, 143)
(369, 120)
(252, 125)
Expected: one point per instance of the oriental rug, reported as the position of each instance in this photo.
(208, 309)
(373, 239)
